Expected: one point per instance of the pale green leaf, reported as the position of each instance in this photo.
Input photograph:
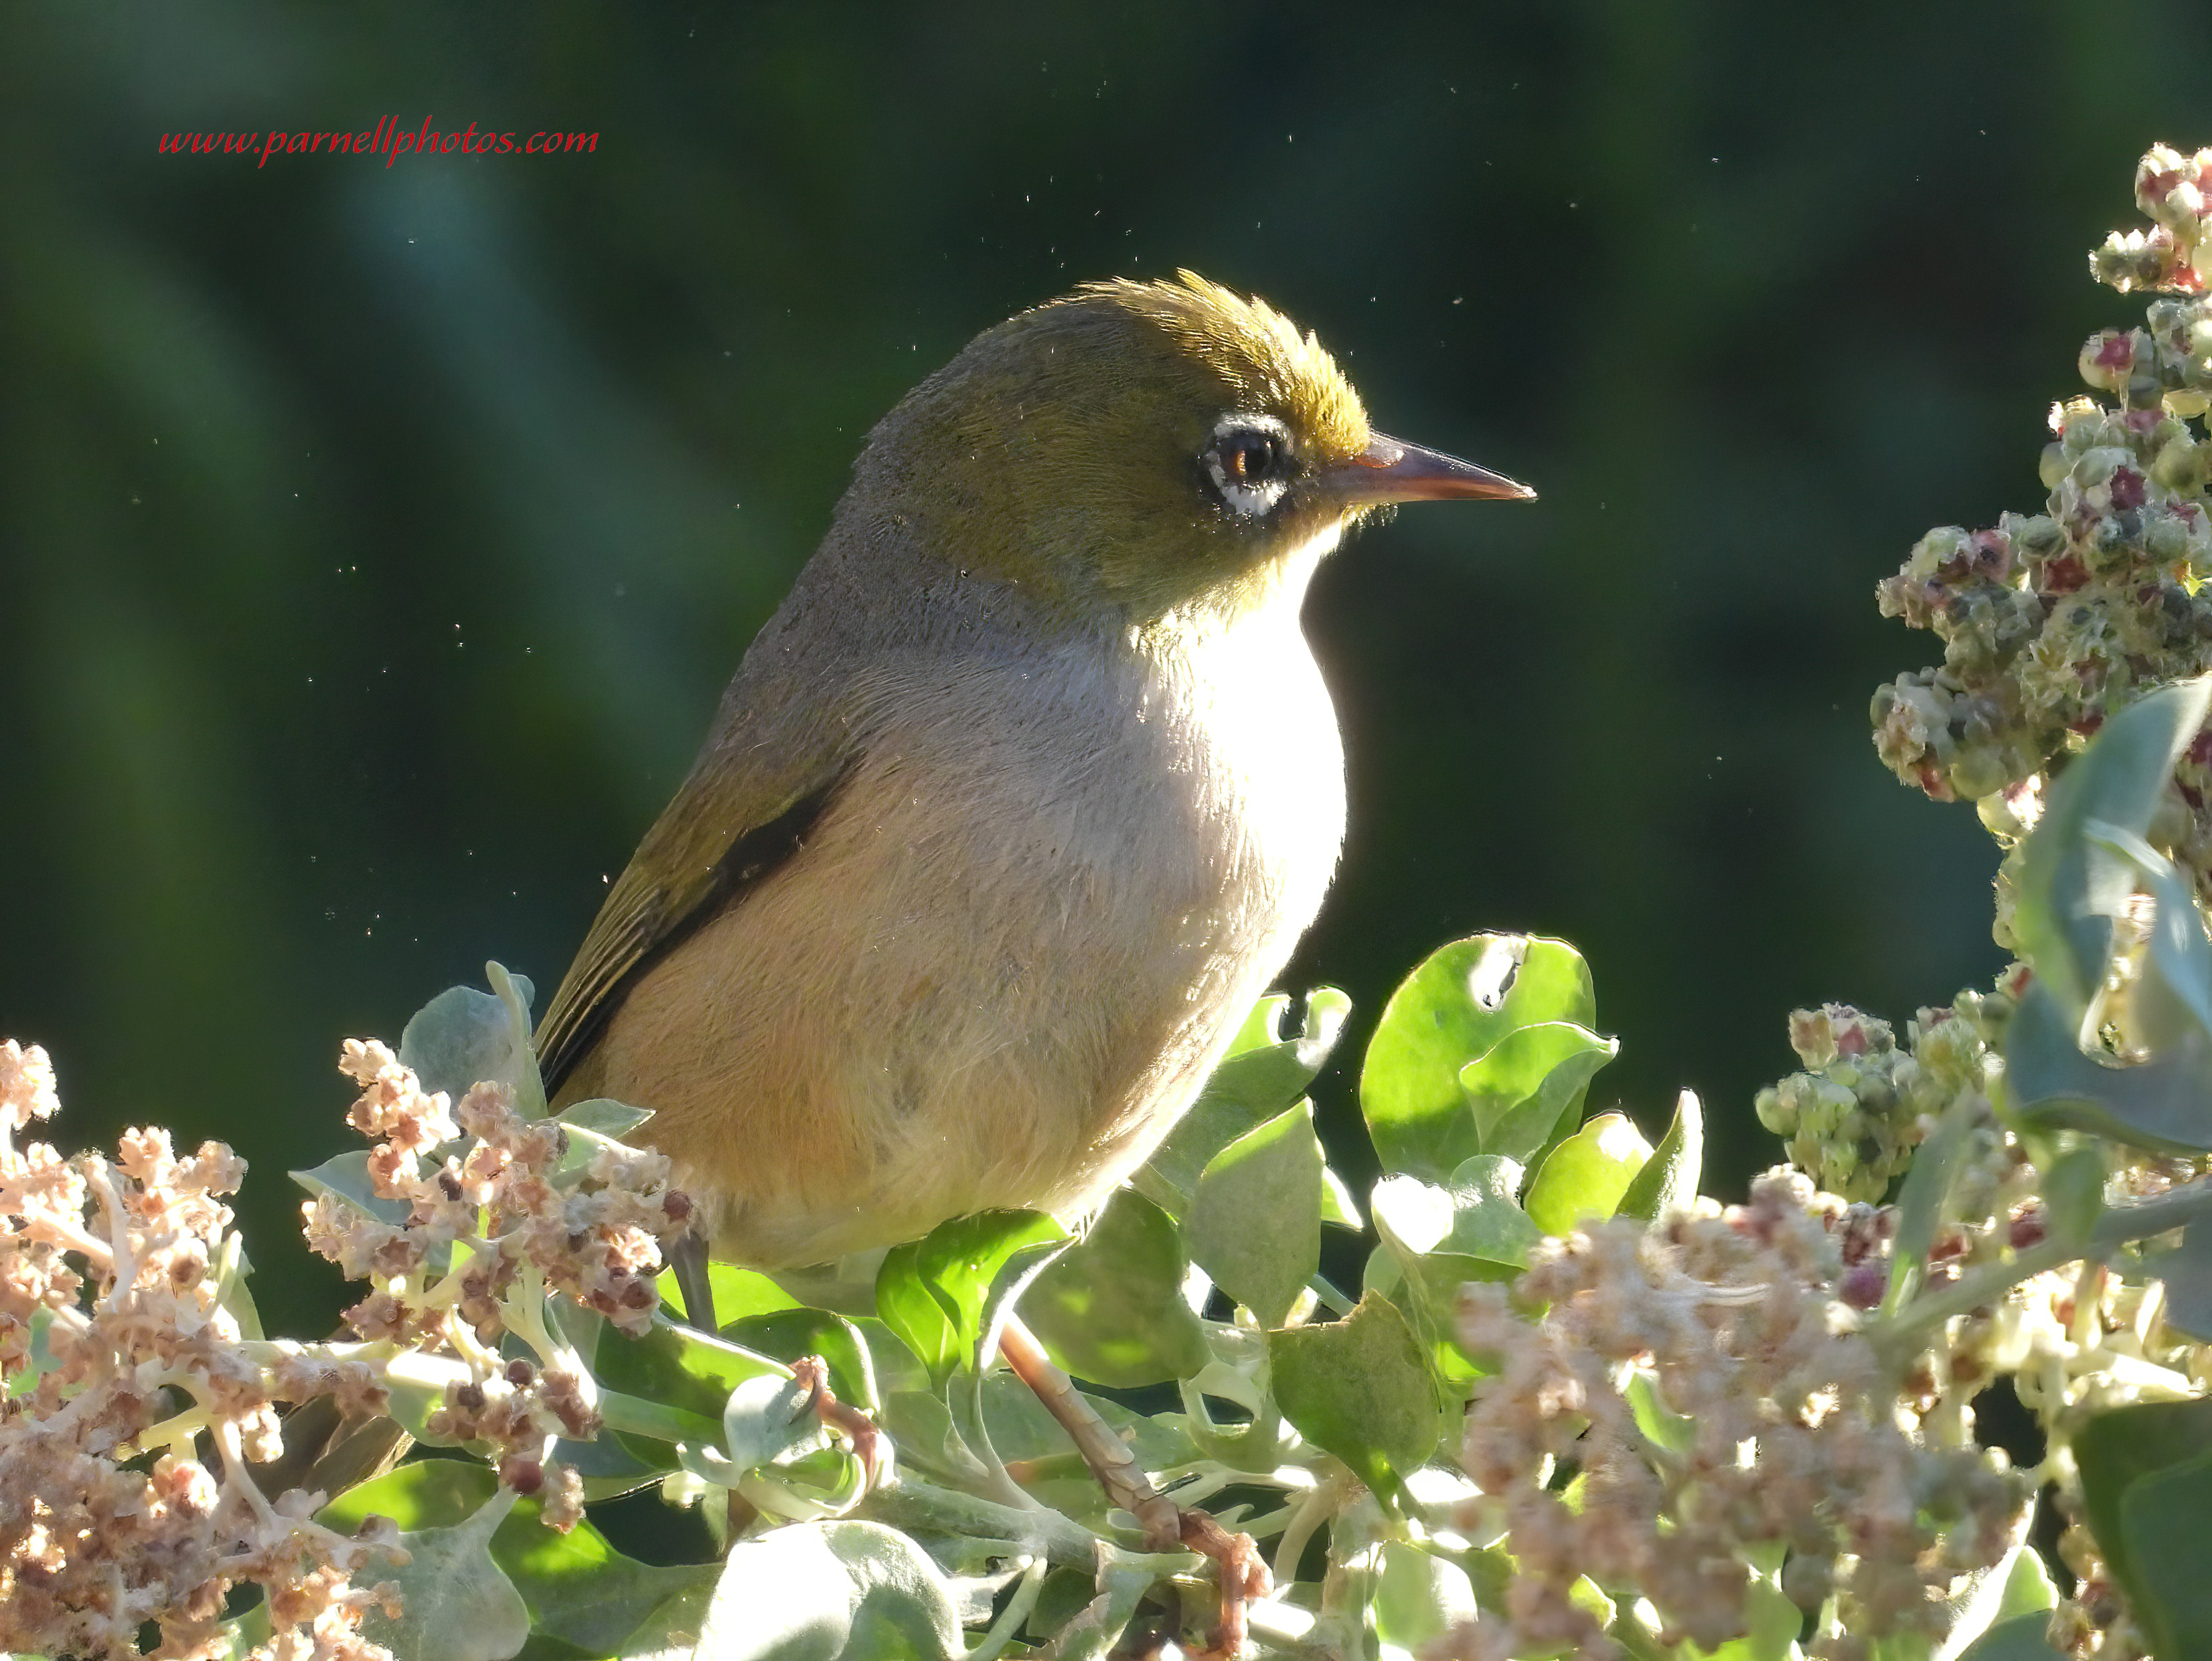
(1457, 1008)
(1255, 1221)
(1584, 1178)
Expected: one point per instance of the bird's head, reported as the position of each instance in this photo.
(1145, 447)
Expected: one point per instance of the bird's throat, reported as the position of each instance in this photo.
(1263, 596)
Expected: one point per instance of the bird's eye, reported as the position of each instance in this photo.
(1249, 462)
(1247, 458)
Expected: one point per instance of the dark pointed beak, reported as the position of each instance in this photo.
(1390, 469)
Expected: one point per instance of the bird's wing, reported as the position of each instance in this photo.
(742, 811)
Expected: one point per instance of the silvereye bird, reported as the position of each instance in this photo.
(1015, 807)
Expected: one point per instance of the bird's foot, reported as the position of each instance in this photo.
(867, 1440)
(1243, 1577)
(1239, 1569)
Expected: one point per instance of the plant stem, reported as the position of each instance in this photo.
(1332, 1299)
(911, 1504)
(1016, 1611)
(1316, 1508)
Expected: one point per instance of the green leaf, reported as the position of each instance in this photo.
(2074, 1194)
(921, 1425)
(345, 1177)
(2166, 1517)
(458, 1604)
(1675, 1432)
(1337, 1205)
(2117, 1450)
(2020, 1637)
(1110, 1309)
(582, 1592)
(427, 1494)
(232, 1270)
(1066, 1589)
(1412, 1216)
(418, 1380)
(1419, 1596)
(763, 1419)
(2016, 1630)
(677, 1366)
(608, 1117)
(2172, 1000)
(2187, 1272)
(1360, 1389)
(2069, 888)
(1438, 1239)
(1975, 1601)
(1457, 1007)
(896, 1366)
(1774, 1621)
(919, 1318)
(2163, 1105)
(1473, 1215)
(464, 1036)
(1429, 1295)
(1584, 1178)
(1527, 1093)
(584, 1145)
(789, 1334)
(611, 1465)
(1773, 1624)
(738, 1292)
(2166, 1103)
(515, 992)
(1263, 1073)
(1668, 1180)
(1098, 1627)
(1487, 1221)
(942, 1295)
(1254, 1221)
(2029, 1588)
(831, 1591)
(1920, 1200)
(579, 1589)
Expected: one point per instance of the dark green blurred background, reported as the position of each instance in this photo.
(373, 541)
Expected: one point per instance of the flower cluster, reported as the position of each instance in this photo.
(2053, 622)
(1853, 1116)
(1770, 1421)
(515, 1199)
(493, 1222)
(2176, 191)
(139, 1392)
(515, 1415)
(125, 1362)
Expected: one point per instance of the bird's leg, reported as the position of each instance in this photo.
(688, 1257)
(1243, 1572)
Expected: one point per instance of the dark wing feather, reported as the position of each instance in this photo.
(733, 822)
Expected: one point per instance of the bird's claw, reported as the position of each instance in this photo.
(1238, 1566)
(867, 1440)
(1243, 1576)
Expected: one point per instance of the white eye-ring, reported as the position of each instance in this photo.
(1248, 460)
